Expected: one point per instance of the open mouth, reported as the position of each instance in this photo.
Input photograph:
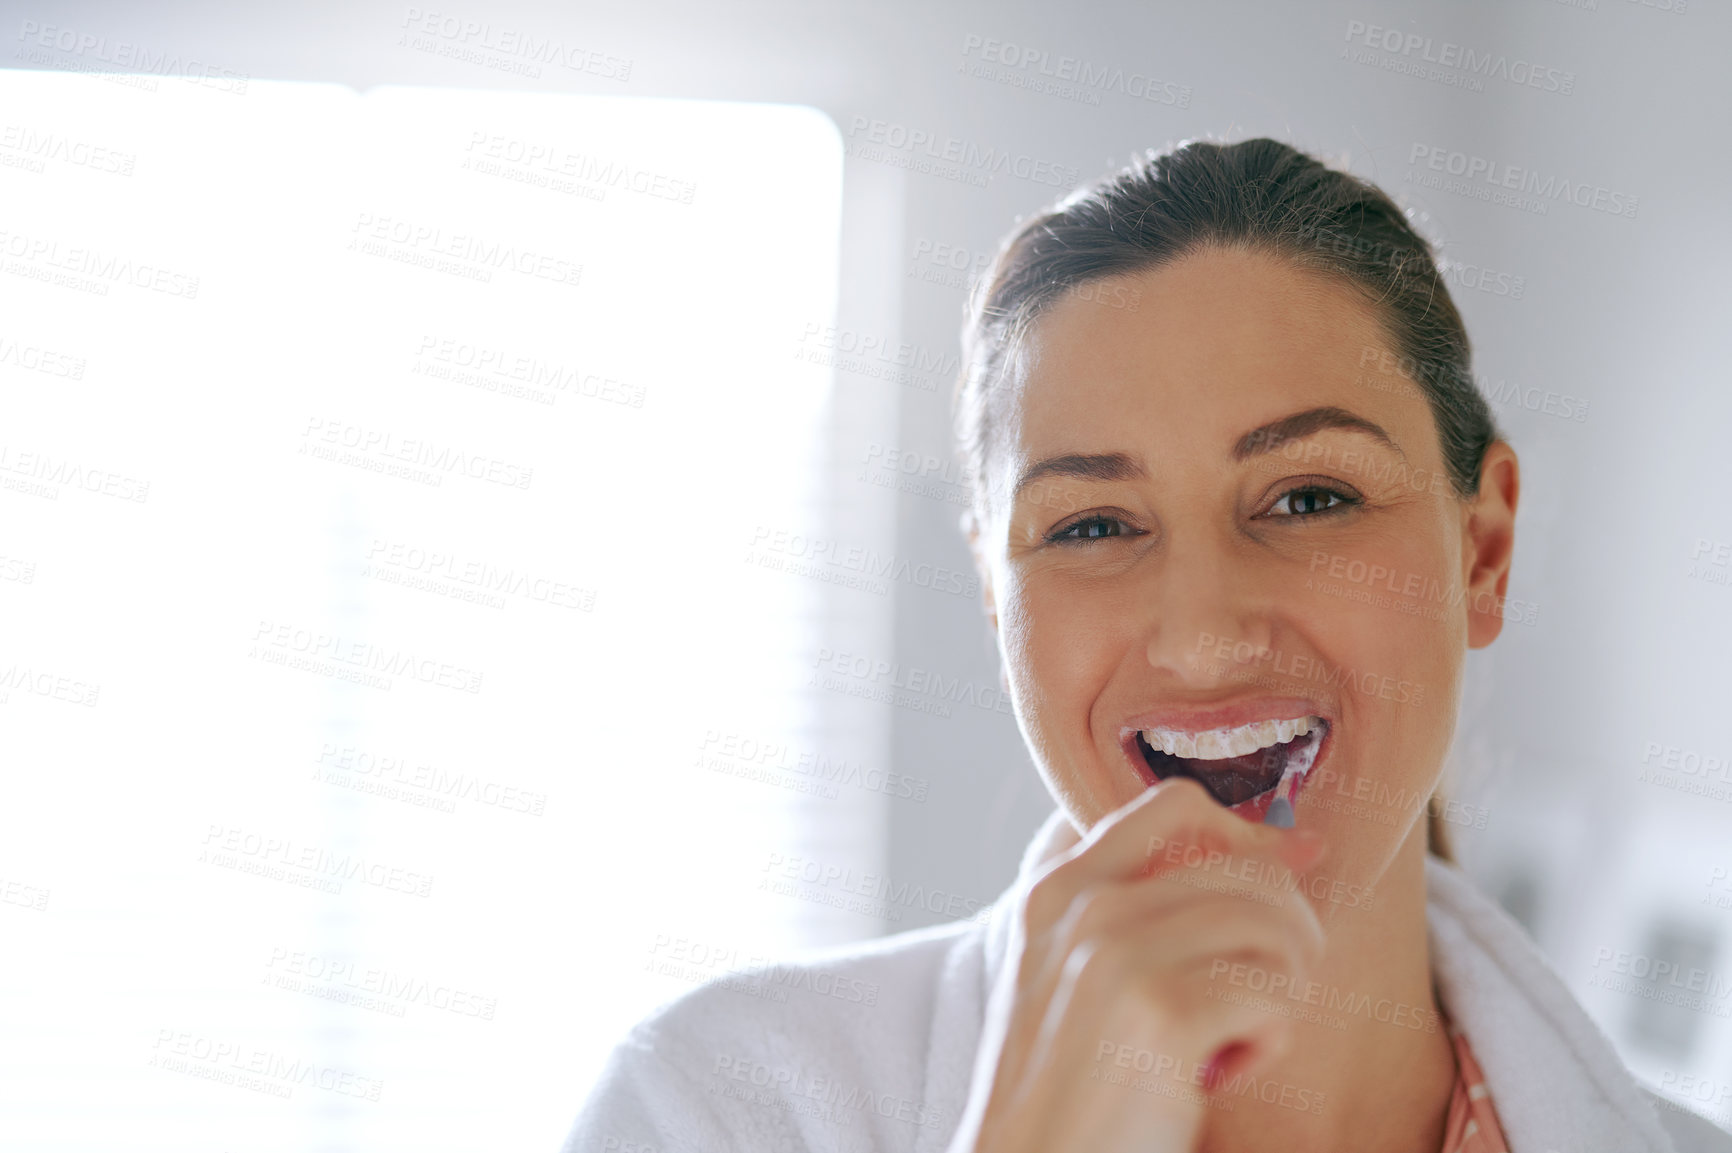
(1240, 766)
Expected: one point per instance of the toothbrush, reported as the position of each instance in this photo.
(1280, 812)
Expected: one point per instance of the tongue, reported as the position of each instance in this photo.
(1229, 779)
(1235, 779)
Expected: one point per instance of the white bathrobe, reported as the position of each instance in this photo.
(873, 1047)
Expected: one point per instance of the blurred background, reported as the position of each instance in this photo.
(479, 542)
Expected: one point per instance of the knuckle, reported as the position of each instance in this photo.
(1096, 962)
(1046, 899)
(1298, 956)
(1089, 911)
(1089, 919)
(1159, 1003)
(1307, 931)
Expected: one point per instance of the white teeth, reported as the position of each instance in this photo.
(1216, 744)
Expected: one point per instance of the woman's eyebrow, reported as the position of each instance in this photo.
(1115, 466)
(1089, 466)
(1269, 437)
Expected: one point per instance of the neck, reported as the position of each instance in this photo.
(1370, 1065)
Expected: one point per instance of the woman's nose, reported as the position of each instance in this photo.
(1198, 606)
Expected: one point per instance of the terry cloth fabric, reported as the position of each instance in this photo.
(873, 1047)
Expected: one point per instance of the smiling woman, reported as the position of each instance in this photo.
(1234, 546)
(1269, 286)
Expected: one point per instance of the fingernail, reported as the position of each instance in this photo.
(1303, 848)
(1221, 1064)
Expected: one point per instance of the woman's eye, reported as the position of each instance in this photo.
(1089, 528)
(1310, 501)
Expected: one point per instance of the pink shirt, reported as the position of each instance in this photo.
(1472, 1123)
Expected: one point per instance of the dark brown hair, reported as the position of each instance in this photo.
(1257, 194)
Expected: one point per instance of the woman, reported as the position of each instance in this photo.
(1240, 512)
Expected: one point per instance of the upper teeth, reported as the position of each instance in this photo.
(1214, 744)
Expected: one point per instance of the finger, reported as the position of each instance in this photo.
(1112, 909)
(1105, 998)
(1136, 839)
(1161, 962)
(1194, 818)
(1071, 900)
(1195, 939)
(1119, 847)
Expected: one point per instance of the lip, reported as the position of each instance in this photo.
(1196, 718)
(1226, 715)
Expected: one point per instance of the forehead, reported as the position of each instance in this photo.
(1220, 341)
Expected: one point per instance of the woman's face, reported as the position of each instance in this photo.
(1228, 508)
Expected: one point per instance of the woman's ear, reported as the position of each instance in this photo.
(971, 528)
(1489, 543)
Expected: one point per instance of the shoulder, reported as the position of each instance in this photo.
(819, 1000)
(779, 1056)
(1690, 1132)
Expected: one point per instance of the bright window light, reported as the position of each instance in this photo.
(377, 471)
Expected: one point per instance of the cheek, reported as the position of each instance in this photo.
(1058, 647)
(1388, 619)
(1388, 611)
(1060, 655)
